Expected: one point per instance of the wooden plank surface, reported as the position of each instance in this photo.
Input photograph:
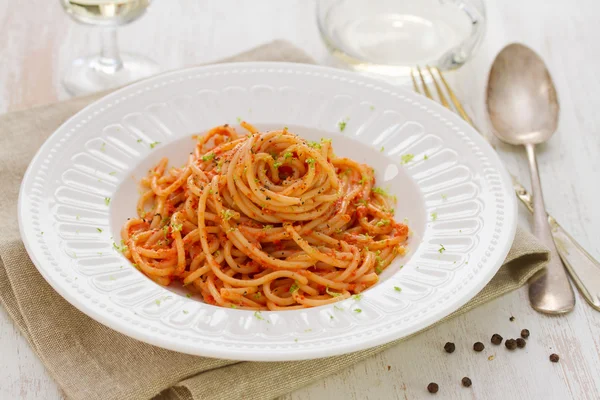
(37, 42)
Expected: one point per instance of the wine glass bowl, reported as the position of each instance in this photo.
(387, 38)
(105, 13)
(110, 68)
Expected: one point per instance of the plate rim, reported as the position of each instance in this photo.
(291, 353)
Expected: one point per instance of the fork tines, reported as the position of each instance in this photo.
(436, 77)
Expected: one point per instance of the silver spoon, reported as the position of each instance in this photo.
(523, 110)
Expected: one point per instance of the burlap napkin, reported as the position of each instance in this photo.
(91, 361)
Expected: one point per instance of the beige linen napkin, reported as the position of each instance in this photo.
(91, 361)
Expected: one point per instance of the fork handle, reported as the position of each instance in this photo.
(583, 268)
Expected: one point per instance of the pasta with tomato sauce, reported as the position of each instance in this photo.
(264, 221)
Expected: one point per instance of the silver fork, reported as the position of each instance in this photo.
(583, 268)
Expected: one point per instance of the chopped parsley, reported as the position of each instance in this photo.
(338, 308)
(406, 158)
(120, 248)
(208, 157)
(425, 157)
(382, 222)
(258, 316)
(380, 191)
(310, 161)
(434, 216)
(112, 173)
(287, 155)
(397, 289)
(342, 125)
(444, 196)
(357, 296)
(357, 310)
(442, 248)
(227, 214)
(103, 147)
(154, 144)
(107, 200)
(277, 164)
(186, 312)
(382, 149)
(332, 294)
(314, 145)
(189, 295)
(361, 202)
(294, 287)
(267, 227)
(139, 140)
(177, 227)
(363, 180)
(98, 229)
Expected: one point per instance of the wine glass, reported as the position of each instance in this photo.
(110, 68)
(388, 38)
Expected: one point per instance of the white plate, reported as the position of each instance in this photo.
(98, 153)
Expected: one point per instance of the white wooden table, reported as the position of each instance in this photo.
(37, 41)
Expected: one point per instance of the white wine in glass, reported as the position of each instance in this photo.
(110, 68)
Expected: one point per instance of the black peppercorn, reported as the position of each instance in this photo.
(433, 387)
(554, 357)
(466, 382)
(478, 346)
(449, 347)
(525, 333)
(521, 343)
(496, 339)
(511, 344)
(512, 319)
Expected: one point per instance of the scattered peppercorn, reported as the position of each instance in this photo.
(466, 382)
(554, 357)
(449, 347)
(389, 367)
(478, 346)
(511, 344)
(512, 319)
(521, 343)
(433, 387)
(496, 339)
(525, 333)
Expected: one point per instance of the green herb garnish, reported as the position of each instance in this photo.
(406, 158)
(208, 157)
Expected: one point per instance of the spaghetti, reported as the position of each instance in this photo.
(264, 221)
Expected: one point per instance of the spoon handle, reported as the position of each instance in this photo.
(583, 268)
(551, 292)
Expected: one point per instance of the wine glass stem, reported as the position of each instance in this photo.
(110, 60)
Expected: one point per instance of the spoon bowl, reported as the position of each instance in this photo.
(521, 99)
